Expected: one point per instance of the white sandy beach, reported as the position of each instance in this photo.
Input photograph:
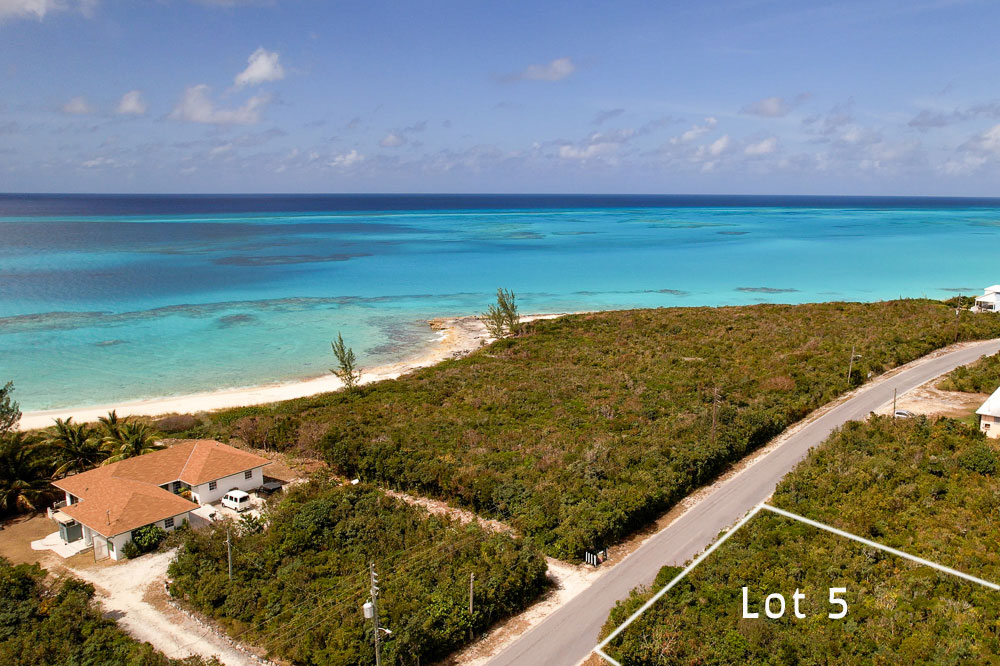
(458, 336)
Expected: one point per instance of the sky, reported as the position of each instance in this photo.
(875, 97)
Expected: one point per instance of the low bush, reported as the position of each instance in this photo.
(298, 587)
(918, 486)
(983, 376)
(48, 622)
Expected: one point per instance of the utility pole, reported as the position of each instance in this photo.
(893, 403)
(472, 579)
(229, 554)
(850, 367)
(715, 406)
(374, 593)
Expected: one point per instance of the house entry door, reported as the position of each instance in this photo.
(100, 548)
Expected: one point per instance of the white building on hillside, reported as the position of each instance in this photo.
(989, 415)
(989, 301)
(104, 505)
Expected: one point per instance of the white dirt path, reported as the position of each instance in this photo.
(132, 593)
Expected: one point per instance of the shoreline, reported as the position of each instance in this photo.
(457, 337)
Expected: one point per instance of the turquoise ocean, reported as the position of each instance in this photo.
(112, 298)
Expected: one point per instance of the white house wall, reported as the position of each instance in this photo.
(202, 495)
(120, 540)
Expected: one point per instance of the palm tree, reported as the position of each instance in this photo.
(76, 446)
(110, 424)
(133, 439)
(24, 473)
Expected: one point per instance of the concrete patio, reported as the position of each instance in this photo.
(55, 543)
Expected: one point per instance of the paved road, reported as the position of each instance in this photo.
(567, 636)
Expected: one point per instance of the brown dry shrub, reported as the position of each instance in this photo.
(778, 383)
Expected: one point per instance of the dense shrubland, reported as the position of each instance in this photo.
(298, 587)
(584, 428)
(983, 376)
(46, 622)
(928, 489)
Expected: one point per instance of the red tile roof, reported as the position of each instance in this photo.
(130, 489)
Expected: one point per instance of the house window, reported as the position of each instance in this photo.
(177, 486)
(212, 485)
(168, 523)
(248, 474)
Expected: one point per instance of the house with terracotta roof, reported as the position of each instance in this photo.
(989, 415)
(104, 505)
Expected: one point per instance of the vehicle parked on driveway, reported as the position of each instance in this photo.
(269, 488)
(237, 500)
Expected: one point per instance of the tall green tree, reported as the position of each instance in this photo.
(10, 412)
(76, 446)
(132, 439)
(347, 370)
(502, 319)
(110, 424)
(24, 473)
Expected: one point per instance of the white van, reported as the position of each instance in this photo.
(237, 500)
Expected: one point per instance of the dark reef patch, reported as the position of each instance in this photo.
(765, 290)
(283, 259)
(237, 320)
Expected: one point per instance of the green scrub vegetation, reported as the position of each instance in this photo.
(926, 488)
(298, 587)
(983, 376)
(55, 622)
(580, 430)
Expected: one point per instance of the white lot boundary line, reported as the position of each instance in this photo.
(599, 649)
(632, 618)
(872, 544)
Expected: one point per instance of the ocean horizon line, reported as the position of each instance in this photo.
(546, 194)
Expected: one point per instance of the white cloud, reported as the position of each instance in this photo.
(695, 131)
(391, 140)
(132, 104)
(196, 106)
(774, 107)
(598, 144)
(987, 142)
(587, 152)
(347, 159)
(262, 67)
(966, 164)
(77, 106)
(769, 107)
(556, 70)
(763, 147)
(720, 145)
(39, 8)
(105, 163)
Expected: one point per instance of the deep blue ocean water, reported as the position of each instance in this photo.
(107, 298)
